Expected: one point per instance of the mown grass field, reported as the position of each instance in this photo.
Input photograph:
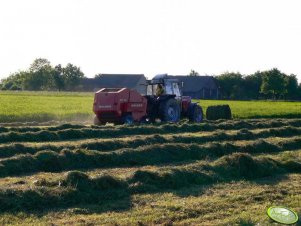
(63, 106)
(214, 173)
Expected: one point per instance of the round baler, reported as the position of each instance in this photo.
(118, 105)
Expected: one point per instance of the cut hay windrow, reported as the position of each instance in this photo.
(74, 191)
(34, 124)
(50, 161)
(214, 137)
(25, 129)
(235, 166)
(30, 124)
(109, 132)
(78, 188)
(113, 145)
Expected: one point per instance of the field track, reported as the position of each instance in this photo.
(149, 174)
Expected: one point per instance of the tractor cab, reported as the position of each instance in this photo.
(169, 85)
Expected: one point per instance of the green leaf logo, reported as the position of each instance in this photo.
(282, 215)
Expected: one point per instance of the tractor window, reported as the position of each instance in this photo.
(168, 88)
(151, 89)
(176, 89)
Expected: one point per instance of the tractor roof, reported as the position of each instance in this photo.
(160, 78)
(190, 83)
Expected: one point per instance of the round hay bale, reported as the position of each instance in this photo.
(218, 112)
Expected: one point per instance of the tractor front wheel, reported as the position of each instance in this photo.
(195, 113)
(170, 111)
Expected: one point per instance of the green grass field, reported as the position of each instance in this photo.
(45, 106)
(63, 106)
(258, 109)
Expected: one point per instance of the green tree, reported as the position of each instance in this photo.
(193, 73)
(39, 64)
(97, 75)
(291, 85)
(231, 85)
(252, 84)
(58, 77)
(273, 83)
(14, 81)
(40, 75)
(299, 92)
(72, 76)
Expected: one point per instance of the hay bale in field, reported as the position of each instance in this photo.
(218, 112)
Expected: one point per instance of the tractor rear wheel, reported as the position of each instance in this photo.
(170, 111)
(195, 113)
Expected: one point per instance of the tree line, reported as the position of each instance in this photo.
(270, 84)
(42, 76)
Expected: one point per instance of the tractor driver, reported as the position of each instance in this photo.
(160, 90)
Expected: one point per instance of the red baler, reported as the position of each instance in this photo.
(119, 105)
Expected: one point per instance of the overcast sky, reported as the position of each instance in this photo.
(152, 36)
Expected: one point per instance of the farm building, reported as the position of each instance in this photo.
(132, 81)
(199, 87)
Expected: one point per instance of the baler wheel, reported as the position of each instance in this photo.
(96, 121)
(195, 113)
(145, 120)
(170, 111)
(128, 119)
